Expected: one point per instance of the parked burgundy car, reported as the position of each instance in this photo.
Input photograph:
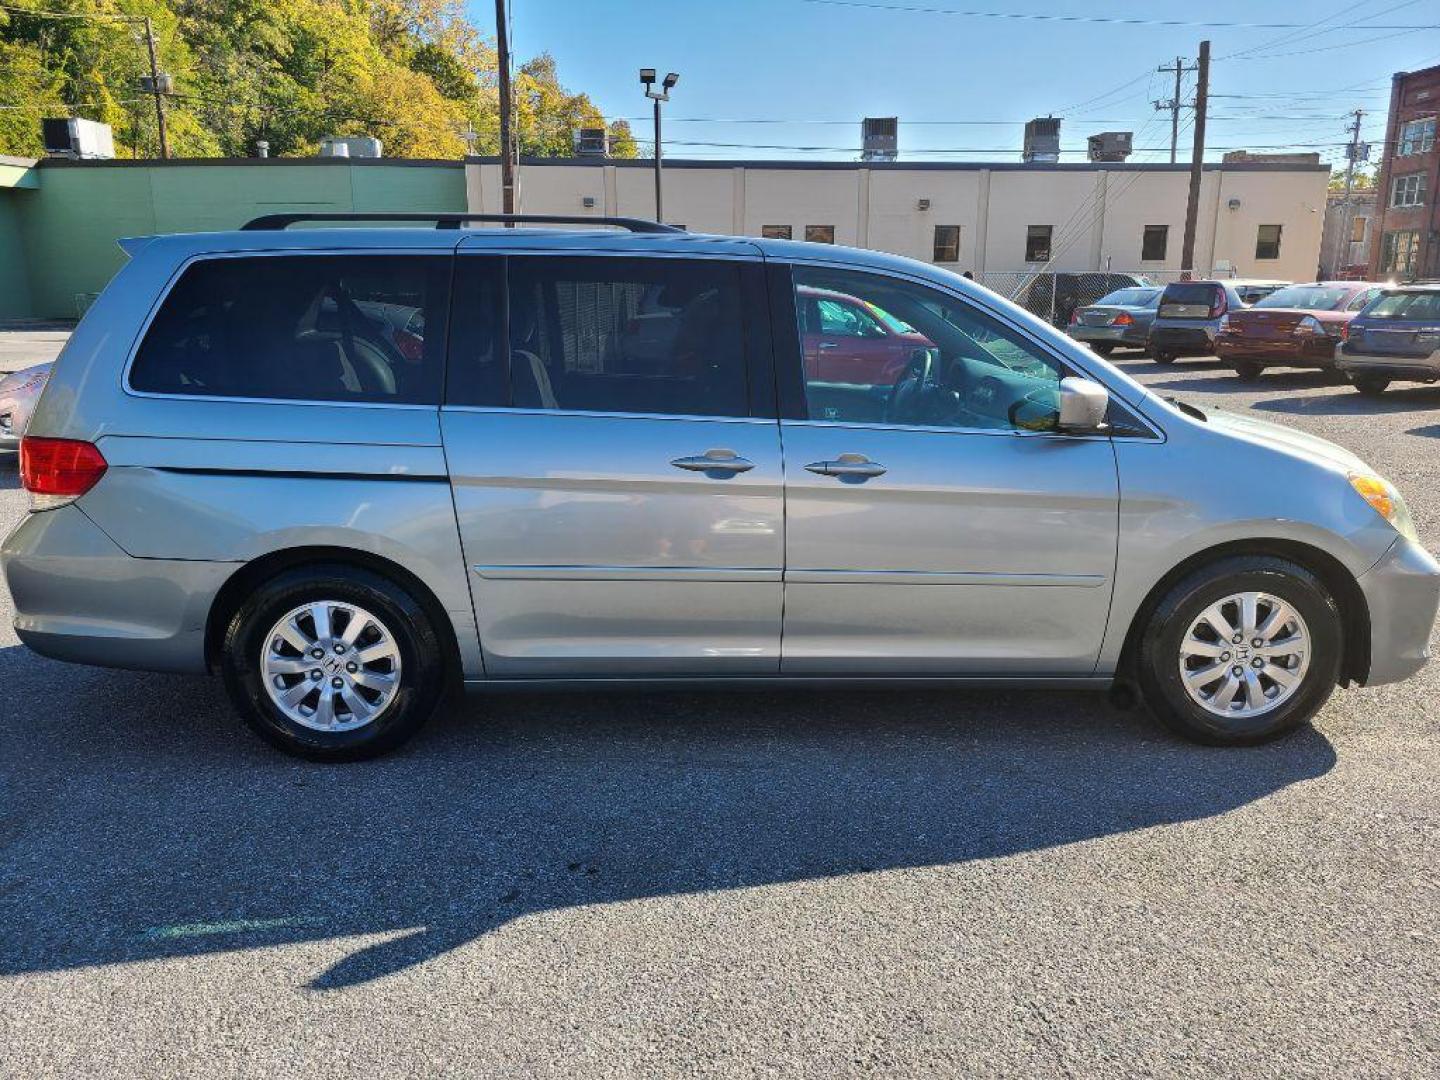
(847, 340)
(1297, 326)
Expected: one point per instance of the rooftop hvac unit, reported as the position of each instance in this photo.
(592, 142)
(1042, 140)
(85, 140)
(879, 138)
(1110, 146)
(351, 146)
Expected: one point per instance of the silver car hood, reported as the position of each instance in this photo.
(1285, 438)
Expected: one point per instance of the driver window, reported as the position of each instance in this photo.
(933, 360)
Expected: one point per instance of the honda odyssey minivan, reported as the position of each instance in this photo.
(599, 457)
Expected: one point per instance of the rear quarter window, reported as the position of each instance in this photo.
(360, 328)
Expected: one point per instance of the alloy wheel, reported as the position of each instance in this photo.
(331, 666)
(1244, 655)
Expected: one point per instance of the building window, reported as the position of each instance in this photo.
(1037, 243)
(1152, 245)
(1357, 230)
(947, 243)
(820, 234)
(1398, 251)
(1267, 242)
(1417, 137)
(775, 232)
(1408, 190)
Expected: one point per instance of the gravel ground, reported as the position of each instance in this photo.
(814, 884)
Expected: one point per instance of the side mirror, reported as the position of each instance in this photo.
(1083, 405)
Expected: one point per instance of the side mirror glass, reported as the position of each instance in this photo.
(1083, 405)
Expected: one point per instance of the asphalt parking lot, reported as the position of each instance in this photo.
(812, 884)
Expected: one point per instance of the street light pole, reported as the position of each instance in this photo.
(647, 80)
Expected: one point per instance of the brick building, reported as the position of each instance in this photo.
(1408, 230)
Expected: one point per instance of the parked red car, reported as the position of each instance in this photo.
(848, 340)
(1297, 326)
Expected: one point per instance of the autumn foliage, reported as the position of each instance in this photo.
(416, 73)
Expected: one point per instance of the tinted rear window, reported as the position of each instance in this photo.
(301, 328)
(1416, 305)
(1190, 292)
(627, 335)
(1309, 297)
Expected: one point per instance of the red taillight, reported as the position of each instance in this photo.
(1074, 316)
(1219, 306)
(1345, 331)
(1123, 319)
(59, 469)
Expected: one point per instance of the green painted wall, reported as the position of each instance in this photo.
(67, 228)
(15, 300)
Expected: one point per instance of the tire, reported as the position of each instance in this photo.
(1103, 350)
(398, 636)
(1162, 356)
(1174, 623)
(1248, 370)
(1371, 386)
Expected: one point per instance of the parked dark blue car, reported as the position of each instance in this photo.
(1395, 339)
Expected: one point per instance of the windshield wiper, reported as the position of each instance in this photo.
(1193, 411)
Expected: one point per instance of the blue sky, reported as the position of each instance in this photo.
(819, 66)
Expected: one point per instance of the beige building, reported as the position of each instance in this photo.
(1257, 219)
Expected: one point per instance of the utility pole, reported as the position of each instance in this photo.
(1174, 105)
(1197, 158)
(507, 159)
(157, 89)
(1352, 155)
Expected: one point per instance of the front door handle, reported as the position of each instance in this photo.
(856, 465)
(829, 345)
(714, 461)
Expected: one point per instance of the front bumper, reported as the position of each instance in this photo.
(1402, 591)
(79, 597)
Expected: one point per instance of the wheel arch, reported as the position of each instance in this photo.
(254, 573)
(1354, 611)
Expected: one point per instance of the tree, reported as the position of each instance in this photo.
(416, 73)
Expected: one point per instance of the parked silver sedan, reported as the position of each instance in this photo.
(19, 394)
(1119, 320)
(234, 469)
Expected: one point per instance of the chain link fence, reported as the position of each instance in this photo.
(1053, 295)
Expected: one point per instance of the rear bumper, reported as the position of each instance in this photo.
(1420, 368)
(1135, 336)
(79, 597)
(1402, 591)
(1314, 352)
(1198, 340)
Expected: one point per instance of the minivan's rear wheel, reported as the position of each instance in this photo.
(333, 663)
(1163, 356)
(1241, 651)
(1248, 369)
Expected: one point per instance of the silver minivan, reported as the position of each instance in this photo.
(349, 468)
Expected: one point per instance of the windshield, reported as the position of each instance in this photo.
(1309, 297)
(1131, 298)
(1405, 305)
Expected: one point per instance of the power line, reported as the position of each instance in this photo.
(1118, 20)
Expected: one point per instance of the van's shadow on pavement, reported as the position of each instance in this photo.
(140, 822)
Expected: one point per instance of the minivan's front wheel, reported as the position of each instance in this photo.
(333, 663)
(1241, 651)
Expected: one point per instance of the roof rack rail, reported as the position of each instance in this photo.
(445, 220)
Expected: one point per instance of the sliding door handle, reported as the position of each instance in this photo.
(714, 461)
(851, 465)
